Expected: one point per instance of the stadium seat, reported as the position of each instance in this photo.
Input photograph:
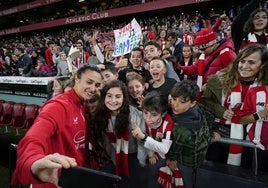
(18, 116)
(31, 111)
(6, 117)
(1, 107)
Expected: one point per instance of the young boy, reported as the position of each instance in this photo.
(108, 71)
(135, 63)
(152, 49)
(188, 118)
(161, 82)
(157, 139)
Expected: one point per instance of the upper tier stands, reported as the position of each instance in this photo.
(51, 15)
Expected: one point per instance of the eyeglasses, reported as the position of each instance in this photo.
(203, 49)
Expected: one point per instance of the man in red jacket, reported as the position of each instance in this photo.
(48, 53)
(215, 55)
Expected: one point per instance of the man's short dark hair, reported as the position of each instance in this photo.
(110, 67)
(153, 43)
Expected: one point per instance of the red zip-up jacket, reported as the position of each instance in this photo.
(59, 128)
(223, 59)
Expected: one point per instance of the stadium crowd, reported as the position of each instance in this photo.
(36, 45)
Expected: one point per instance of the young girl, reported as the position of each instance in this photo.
(157, 138)
(41, 68)
(136, 88)
(186, 60)
(112, 136)
(250, 26)
(165, 53)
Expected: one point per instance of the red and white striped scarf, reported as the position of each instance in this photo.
(170, 179)
(120, 143)
(251, 39)
(237, 131)
(257, 131)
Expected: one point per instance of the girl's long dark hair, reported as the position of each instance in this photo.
(182, 61)
(249, 26)
(103, 113)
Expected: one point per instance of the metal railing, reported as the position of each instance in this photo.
(245, 143)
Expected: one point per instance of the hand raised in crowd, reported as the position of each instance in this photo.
(46, 168)
(123, 62)
(94, 37)
(136, 131)
(140, 99)
(223, 16)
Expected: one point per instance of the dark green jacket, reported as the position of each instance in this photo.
(212, 96)
(183, 146)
